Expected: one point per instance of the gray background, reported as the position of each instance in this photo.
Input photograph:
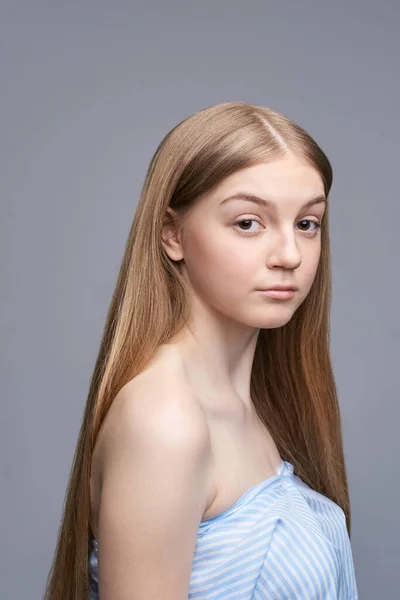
(88, 90)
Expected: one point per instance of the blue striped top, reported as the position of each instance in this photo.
(281, 540)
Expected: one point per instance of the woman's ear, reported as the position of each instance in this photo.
(171, 236)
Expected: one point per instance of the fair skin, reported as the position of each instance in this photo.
(181, 442)
(226, 265)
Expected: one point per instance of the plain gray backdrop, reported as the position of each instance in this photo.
(88, 90)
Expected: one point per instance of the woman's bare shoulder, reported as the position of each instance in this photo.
(157, 400)
(154, 492)
(150, 407)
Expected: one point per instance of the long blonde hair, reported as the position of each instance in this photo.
(292, 382)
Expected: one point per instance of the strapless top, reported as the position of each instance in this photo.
(280, 540)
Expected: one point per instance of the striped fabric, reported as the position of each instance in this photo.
(281, 540)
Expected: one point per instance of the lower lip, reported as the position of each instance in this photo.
(279, 294)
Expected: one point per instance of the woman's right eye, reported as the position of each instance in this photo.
(246, 221)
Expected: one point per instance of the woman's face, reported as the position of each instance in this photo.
(233, 248)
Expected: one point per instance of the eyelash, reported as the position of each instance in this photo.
(318, 224)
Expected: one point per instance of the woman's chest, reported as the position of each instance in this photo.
(243, 454)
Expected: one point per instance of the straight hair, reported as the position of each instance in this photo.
(292, 382)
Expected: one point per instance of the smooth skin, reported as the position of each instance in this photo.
(181, 441)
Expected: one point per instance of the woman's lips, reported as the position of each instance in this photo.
(279, 294)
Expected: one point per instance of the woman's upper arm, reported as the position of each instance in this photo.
(153, 496)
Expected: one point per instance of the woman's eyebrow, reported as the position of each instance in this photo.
(267, 201)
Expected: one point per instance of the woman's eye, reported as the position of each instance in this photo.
(246, 221)
(317, 224)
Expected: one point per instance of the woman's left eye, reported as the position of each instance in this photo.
(318, 224)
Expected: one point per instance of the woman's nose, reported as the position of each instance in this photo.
(285, 252)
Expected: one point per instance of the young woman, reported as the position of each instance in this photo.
(210, 459)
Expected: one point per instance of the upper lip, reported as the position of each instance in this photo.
(280, 287)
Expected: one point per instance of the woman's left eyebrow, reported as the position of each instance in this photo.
(268, 202)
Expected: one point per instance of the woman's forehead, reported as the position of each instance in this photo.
(268, 185)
